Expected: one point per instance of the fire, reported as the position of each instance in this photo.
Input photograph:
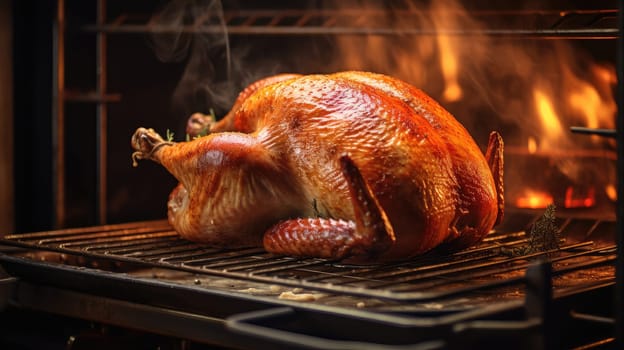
(551, 125)
(530, 90)
(592, 101)
(587, 101)
(584, 199)
(611, 192)
(526, 89)
(532, 145)
(534, 200)
(448, 62)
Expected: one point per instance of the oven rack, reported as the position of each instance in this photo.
(541, 24)
(489, 270)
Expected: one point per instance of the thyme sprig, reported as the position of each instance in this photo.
(544, 236)
(169, 135)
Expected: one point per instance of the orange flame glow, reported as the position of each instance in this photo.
(534, 200)
(611, 192)
(592, 101)
(551, 126)
(448, 62)
(531, 91)
(573, 199)
(532, 145)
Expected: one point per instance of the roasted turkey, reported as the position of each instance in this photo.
(348, 165)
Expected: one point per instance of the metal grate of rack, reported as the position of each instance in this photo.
(488, 270)
(571, 24)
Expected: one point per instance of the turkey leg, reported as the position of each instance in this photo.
(370, 233)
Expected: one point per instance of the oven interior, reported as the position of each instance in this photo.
(86, 251)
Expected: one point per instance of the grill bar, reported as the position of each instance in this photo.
(431, 277)
(572, 24)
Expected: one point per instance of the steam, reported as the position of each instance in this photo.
(207, 81)
(474, 75)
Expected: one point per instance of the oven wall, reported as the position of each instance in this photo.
(32, 140)
(6, 120)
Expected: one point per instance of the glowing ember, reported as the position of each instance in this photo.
(534, 200)
(574, 199)
(532, 145)
(611, 192)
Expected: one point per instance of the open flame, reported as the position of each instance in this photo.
(575, 198)
(534, 88)
(532, 145)
(529, 90)
(526, 89)
(551, 125)
(611, 192)
(448, 62)
(593, 101)
(534, 200)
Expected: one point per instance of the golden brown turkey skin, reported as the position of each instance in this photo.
(477, 192)
(200, 124)
(349, 164)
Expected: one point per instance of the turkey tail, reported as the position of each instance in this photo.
(494, 157)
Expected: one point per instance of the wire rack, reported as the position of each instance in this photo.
(433, 277)
(572, 24)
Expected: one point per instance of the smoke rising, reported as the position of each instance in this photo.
(194, 32)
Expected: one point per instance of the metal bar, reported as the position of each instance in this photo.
(102, 118)
(538, 301)
(73, 96)
(357, 11)
(58, 116)
(592, 318)
(153, 225)
(156, 244)
(242, 261)
(497, 264)
(619, 271)
(593, 131)
(396, 329)
(600, 344)
(205, 258)
(153, 319)
(473, 272)
(136, 245)
(251, 323)
(355, 18)
(393, 269)
(435, 262)
(83, 240)
(294, 281)
(598, 33)
(298, 265)
(471, 289)
(413, 12)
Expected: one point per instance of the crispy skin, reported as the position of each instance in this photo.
(277, 166)
(200, 123)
